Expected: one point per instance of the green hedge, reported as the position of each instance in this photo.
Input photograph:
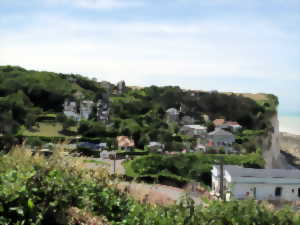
(54, 139)
(192, 166)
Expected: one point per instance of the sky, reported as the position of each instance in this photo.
(225, 45)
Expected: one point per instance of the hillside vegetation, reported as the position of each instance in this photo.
(27, 95)
(57, 190)
(182, 168)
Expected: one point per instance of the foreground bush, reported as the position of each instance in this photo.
(37, 191)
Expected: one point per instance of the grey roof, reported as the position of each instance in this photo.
(102, 144)
(154, 144)
(220, 132)
(237, 171)
(196, 127)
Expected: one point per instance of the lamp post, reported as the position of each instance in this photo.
(115, 156)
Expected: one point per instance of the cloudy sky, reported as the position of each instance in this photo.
(225, 45)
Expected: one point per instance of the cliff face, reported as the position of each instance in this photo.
(271, 146)
(290, 145)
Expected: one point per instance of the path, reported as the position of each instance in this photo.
(153, 193)
(157, 193)
(107, 163)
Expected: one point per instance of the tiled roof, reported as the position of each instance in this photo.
(124, 141)
(232, 123)
(218, 122)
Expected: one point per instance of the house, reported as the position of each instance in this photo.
(102, 146)
(103, 110)
(155, 146)
(206, 118)
(71, 110)
(200, 147)
(92, 146)
(125, 142)
(194, 130)
(220, 138)
(88, 145)
(187, 120)
(233, 126)
(106, 154)
(218, 122)
(86, 108)
(260, 184)
(172, 115)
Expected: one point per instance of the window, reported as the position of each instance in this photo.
(299, 192)
(278, 191)
(254, 192)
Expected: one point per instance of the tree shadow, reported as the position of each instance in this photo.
(68, 132)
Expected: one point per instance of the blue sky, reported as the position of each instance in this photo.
(227, 45)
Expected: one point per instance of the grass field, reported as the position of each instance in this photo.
(47, 130)
(96, 162)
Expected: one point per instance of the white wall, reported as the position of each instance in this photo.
(266, 191)
(75, 116)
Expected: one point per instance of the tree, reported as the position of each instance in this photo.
(65, 121)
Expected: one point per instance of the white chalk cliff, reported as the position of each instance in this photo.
(271, 147)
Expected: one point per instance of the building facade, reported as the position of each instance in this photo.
(260, 184)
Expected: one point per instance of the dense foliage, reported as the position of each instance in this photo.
(140, 113)
(184, 167)
(36, 191)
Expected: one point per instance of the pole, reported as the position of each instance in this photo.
(115, 163)
(222, 178)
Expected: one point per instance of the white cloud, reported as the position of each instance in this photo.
(140, 50)
(99, 4)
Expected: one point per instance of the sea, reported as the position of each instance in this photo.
(289, 123)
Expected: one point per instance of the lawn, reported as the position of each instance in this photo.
(96, 162)
(47, 130)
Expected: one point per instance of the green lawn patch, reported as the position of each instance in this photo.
(96, 162)
(47, 130)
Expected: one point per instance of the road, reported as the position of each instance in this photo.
(107, 163)
(153, 193)
(157, 193)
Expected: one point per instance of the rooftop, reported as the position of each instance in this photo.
(196, 127)
(237, 171)
(218, 122)
(220, 132)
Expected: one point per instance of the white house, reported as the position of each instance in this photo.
(155, 146)
(70, 110)
(232, 125)
(260, 184)
(106, 154)
(194, 130)
(172, 115)
(86, 108)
